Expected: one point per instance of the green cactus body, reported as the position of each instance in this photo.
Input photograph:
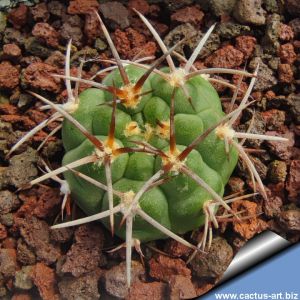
(176, 204)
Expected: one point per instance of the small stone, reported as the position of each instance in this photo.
(39, 75)
(286, 32)
(2, 21)
(295, 25)
(23, 278)
(13, 36)
(44, 279)
(83, 288)
(181, 287)
(236, 185)
(229, 30)
(56, 59)
(47, 33)
(250, 11)
(8, 262)
(116, 13)
(271, 6)
(56, 8)
(287, 54)
(7, 219)
(8, 202)
(82, 7)
(115, 278)
(281, 149)
(293, 181)
(34, 47)
(144, 291)
(272, 204)
(189, 14)
(21, 296)
(24, 254)
(245, 44)
(274, 118)
(270, 41)
(72, 29)
(265, 77)
(223, 7)
(226, 57)
(277, 171)
(18, 16)
(25, 161)
(40, 12)
(61, 235)
(290, 220)
(293, 7)
(100, 45)
(9, 76)
(163, 267)
(91, 28)
(285, 73)
(214, 263)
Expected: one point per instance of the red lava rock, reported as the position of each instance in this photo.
(163, 267)
(18, 16)
(38, 75)
(47, 33)
(40, 12)
(202, 287)
(176, 249)
(36, 234)
(8, 262)
(82, 7)
(44, 279)
(226, 57)
(42, 201)
(274, 118)
(84, 287)
(3, 232)
(286, 32)
(144, 291)
(11, 51)
(287, 53)
(285, 73)
(181, 287)
(8, 109)
(189, 14)
(9, 76)
(85, 254)
(215, 262)
(281, 149)
(245, 44)
(252, 225)
(293, 181)
(130, 42)
(141, 5)
(115, 278)
(115, 12)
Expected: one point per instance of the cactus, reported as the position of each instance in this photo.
(149, 147)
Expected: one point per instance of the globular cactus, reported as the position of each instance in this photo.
(150, 148)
